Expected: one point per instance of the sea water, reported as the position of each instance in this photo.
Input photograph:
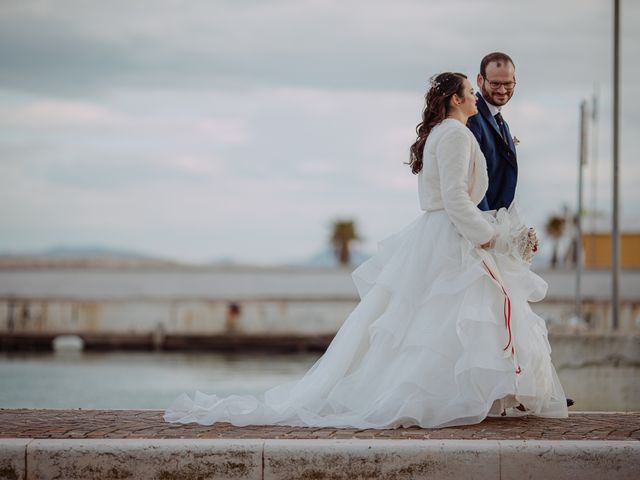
(140, 380)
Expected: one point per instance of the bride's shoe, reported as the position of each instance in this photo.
(517, 411)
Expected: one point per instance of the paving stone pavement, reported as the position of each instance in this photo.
(27, 423)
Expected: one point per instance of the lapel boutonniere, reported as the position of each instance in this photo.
(516, 141)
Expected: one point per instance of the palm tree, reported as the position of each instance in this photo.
(554, 228)
(343, 233)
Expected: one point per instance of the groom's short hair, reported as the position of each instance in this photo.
(494, 57)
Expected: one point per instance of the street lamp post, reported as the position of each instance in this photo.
(582, 160)
(615, 227)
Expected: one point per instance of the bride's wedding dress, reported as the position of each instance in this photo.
(443, 334)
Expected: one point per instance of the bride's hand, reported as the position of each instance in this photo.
(490, 244)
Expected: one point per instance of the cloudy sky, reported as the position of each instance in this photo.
(206, 129)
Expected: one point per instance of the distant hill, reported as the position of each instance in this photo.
(61, 251)
(223, 262)
(81, 256)
(61, 256)
(326, 258)
(74, 256)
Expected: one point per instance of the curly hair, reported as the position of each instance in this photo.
(443, 87)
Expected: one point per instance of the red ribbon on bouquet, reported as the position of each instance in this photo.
(506, 311)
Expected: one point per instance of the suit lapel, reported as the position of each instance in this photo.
(484, 111)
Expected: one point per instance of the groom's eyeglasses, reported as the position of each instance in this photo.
(497, 85)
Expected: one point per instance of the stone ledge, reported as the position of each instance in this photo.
(239, 459)
(95, 424)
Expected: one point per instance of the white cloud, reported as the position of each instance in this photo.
(223, 128)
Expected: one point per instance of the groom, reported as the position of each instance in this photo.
(496, 83)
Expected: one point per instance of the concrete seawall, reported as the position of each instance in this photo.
(42, 444)
(318, 459)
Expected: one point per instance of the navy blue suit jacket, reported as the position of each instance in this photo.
(501, 159)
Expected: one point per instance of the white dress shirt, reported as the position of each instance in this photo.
(492, 108)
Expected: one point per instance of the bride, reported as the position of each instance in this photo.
(443, 334)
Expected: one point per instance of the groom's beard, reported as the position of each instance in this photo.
(494, 98)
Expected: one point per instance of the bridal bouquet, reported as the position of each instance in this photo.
(527, 243)
(514, 238)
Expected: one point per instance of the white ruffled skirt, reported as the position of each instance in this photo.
(435, 341)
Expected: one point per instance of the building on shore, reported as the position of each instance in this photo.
(597, 250)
